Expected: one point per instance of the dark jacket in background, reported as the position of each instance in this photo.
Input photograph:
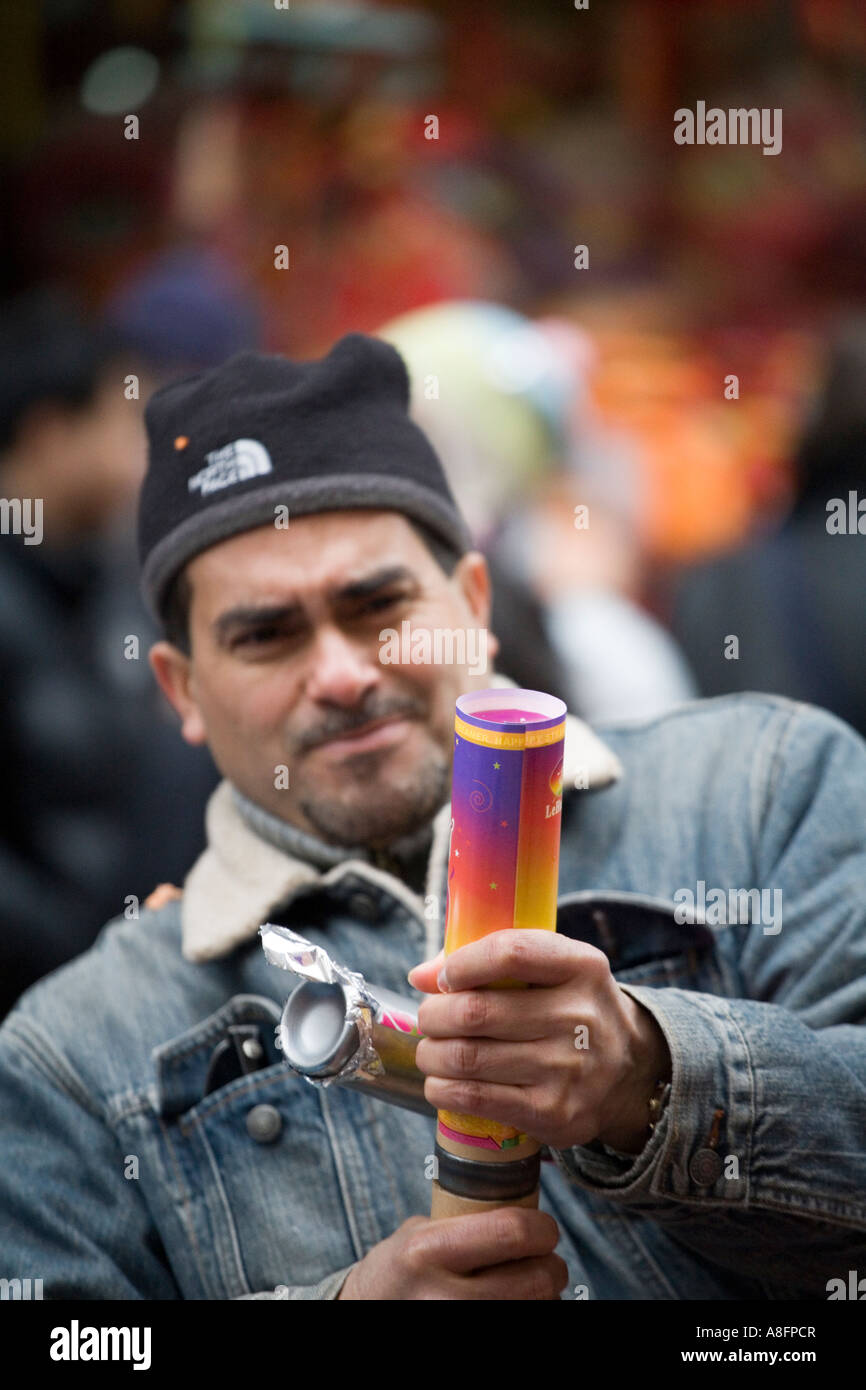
(796, 601)
(101, 798)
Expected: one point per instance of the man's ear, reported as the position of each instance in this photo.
(173, 671)
(473, 579)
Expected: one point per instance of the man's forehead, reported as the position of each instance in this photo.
(317, 551)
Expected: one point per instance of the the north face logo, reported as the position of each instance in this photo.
(233, 463)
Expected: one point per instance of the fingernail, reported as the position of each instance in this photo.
(442, 981)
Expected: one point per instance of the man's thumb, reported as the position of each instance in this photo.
(424, 976)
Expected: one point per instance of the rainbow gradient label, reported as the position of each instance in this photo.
(503, 863)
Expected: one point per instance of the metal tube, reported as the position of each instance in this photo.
(320, 1039)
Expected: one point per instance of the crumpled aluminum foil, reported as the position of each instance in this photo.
(290, 951)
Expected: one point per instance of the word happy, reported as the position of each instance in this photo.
(737, 126)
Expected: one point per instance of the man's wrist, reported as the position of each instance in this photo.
(628, 1129)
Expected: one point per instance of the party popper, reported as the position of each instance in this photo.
(503, 872)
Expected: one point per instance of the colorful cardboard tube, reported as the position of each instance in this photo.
(503, 872)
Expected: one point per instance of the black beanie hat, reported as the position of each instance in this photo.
(228, 445)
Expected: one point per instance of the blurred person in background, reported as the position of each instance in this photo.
(98, 795)
(184, 310)
(552, 498)
(794, 600)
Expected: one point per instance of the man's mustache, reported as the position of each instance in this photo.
(338, 723)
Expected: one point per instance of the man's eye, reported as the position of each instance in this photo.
(381, 601)
(257, 637)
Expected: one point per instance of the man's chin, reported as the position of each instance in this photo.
(364, 783)
(370, 823)
(374, 801)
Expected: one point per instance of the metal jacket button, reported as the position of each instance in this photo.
(705, 1167)
(264, 1124)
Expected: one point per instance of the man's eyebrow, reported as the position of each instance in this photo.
(379, 579)
(245, 615)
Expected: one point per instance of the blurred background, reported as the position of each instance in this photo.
(645, 435)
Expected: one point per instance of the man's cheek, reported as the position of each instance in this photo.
(237, 717)
(251, 698)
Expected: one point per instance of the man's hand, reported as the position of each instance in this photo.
(570, 1061)
(502, 1254)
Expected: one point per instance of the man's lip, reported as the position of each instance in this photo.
(366, 736)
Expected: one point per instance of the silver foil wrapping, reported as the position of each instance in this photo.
(336, 1028)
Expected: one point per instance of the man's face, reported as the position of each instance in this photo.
(285, 681)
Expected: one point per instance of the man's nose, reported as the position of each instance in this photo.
(341, 670)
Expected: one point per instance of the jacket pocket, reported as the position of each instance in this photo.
(643, 940)
(248, 1169)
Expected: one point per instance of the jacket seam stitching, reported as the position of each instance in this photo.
(342, 1180)
(62, 1074)
(776, 761)
(239, 1273)
(747, 1157)
(185, 1203)
(214, 1026)
(256, 1083)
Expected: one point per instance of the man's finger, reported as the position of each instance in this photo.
(532, 957)
(510, 1105)
(462, 1244)
(518, 1015)
(540, 1278)
(513, 1064)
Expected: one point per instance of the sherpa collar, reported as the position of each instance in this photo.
(240, 879)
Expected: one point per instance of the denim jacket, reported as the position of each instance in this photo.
(121, 1178)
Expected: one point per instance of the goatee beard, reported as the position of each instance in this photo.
(380, 816)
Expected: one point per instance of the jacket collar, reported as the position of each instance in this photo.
(240, 878)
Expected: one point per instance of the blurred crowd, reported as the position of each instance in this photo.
(654, 534)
